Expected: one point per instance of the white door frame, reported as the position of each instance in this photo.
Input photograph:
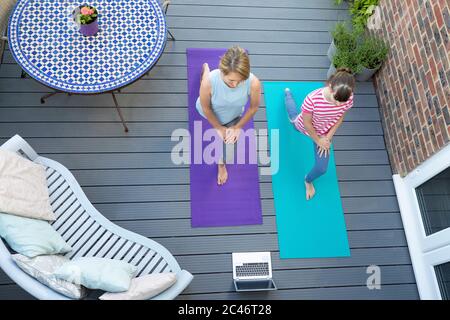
(426, 251)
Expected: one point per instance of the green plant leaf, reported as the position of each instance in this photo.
(361, 10)
(372, 52)
(370, 9)
(345, 37)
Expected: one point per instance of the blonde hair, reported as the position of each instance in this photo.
(235, 60)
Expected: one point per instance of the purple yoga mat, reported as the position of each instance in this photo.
(237, 202)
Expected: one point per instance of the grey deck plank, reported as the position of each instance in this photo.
(134, 114)
(178, 100)
(177, 22)
(181, 175)
(163, 160)
(11, 70)
(178, 192)
(14, 292)
(181, 227)
(380, 256)
(164, 144)
(131, 180)
(269, 242)
(95, 114)
(181, 209)
(389, 292)
(324, 4)
(294, 279)
(253, 36)
(257, 12)
(142, 129)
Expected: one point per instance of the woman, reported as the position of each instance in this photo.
(322, 113)
(224, 92)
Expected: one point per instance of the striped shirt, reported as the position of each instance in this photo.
(324, 114)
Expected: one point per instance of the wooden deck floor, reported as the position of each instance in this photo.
(132, 181)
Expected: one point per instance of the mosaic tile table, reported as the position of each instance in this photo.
(46, 43)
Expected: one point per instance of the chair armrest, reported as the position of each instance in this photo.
(18, 145)
(184, 278)
(165, 5)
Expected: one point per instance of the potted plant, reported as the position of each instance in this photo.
(344, 58)
(361, 10)
(343, 38)
(370, 53)
(339, 2)
(86, 17)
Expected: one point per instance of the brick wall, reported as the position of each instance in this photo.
(413, 87)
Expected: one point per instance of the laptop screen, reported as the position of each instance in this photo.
(254, 285)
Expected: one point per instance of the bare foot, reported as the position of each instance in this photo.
(310, 191)
(222, 174)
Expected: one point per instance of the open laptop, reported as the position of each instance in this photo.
(252, 271)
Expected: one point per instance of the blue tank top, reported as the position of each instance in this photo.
(227, 103)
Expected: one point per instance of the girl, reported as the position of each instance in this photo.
(322, 113)
(224, 92)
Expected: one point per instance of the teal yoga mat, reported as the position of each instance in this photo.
(306, 229)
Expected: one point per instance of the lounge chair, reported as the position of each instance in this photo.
(5, 10)
(88, 232)
(6, 7)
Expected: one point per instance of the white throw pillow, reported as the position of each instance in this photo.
(98, 273)
(31, 237)
(143, 288)
(43, 267)
(23, 187)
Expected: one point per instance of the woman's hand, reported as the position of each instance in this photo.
(232, 134)
(222, 132)
(324, 145)
(255, 97)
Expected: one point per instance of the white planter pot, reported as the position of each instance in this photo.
(331, 51)
(365, 74)
(331, 71)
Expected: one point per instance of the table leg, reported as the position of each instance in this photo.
(119, 112)
(43, 98)
(171, 35)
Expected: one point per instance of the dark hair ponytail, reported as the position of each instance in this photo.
(342, 82)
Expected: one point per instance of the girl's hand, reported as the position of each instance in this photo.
(324, 145)
(324, 142)
(232, 134)
(323, 152)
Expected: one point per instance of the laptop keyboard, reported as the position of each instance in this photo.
(253, 269)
